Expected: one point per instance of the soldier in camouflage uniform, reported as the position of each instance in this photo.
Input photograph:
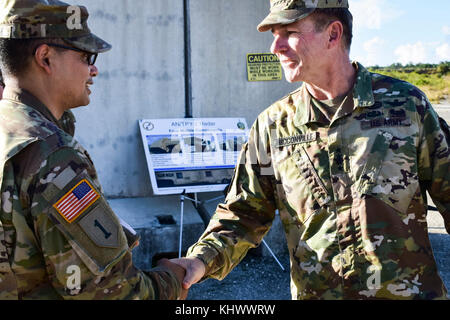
(59, 239)
(347, 160)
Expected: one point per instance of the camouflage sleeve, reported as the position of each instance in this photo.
(86, 251)
(241, 222)
(434, 160)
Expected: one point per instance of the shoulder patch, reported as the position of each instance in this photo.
(101, 228)
(90, 226)
(76, 201)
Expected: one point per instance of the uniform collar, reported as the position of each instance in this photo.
(362, 96)
(25, 97)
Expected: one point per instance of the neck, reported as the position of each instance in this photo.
(42, 90)
(333, 81)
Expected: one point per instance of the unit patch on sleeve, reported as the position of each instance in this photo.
(76, 201)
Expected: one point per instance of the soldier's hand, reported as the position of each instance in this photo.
(179, 273)
(195, 270)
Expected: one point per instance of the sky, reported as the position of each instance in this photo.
(405, 31)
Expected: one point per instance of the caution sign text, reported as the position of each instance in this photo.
(263, 67)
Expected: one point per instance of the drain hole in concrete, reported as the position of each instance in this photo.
(166, 219)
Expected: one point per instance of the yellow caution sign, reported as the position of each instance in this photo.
(263, 67)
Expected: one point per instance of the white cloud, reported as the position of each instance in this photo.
(374, 50)
(446, 30)
(423, 52)
(443, 52)
(412, 53)
(372, 14)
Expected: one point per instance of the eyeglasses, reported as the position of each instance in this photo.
(90, 57)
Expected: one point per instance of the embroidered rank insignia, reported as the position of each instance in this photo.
(76, 201)
(301, 138)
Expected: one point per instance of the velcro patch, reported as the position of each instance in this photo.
(64, 178)
(76, 201)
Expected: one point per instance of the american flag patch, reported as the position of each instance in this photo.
(76, 201)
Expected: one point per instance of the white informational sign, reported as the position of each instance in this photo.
(192, 154)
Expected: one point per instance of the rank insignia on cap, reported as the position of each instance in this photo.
(76, 201)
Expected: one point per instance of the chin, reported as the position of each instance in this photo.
(86, 101)
(292, 79)
(292, 76)
(82, 103)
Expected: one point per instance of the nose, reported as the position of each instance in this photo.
(93, 70)
(279, 44)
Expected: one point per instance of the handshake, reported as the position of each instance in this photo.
(187, 271)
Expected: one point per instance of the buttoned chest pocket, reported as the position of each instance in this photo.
(390, 172)
(305, 191)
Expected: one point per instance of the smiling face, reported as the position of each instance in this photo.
(300, 49)
(74, 77)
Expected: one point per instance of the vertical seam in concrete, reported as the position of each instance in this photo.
(187, 59)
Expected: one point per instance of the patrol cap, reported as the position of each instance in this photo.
(289, 11)
(44, 19)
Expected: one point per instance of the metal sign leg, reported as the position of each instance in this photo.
(181, 223)
(273, 255)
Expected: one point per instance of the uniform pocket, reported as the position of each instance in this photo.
(311, 177)
(371, 170)
(302, 191)
(390, 173)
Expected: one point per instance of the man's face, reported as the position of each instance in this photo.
(300, 49)
(74, 77)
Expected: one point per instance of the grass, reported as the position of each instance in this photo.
(434, 80)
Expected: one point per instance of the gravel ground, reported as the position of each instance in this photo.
(261, 278)
(255, 278)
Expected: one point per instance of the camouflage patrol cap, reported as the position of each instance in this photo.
(41, 19)
(289, 11)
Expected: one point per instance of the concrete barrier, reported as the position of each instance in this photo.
(157, 220)
(141, 77)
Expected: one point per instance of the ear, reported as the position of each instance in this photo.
(335, 33)
(43, 56)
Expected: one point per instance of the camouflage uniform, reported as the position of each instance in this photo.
(350, 193)
(53, 246)
(40, 164)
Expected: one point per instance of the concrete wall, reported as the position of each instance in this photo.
(143, 76)
(223, 32)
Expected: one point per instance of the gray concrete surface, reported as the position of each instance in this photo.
(143, 77)
(223, 33)
(150, 217)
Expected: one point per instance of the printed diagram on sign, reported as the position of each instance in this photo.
(196, 155)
